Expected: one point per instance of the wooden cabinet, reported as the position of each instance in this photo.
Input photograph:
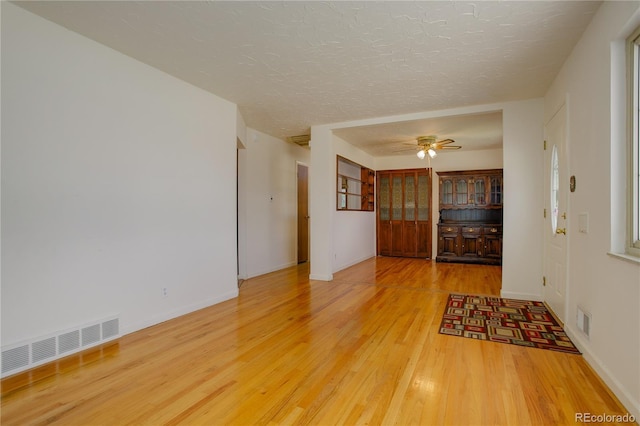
(470, 225)
(469, 243)
(492, 243)
(404, 218)
(471, 188)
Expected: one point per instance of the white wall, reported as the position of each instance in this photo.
(270, 173)
(605, 286)
(242, 185)
(523, 219)
(354, 231)
(115, 184)
(322, 203)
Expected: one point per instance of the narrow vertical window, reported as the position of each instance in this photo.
(635, 146)
(555, 187)
(634, 143)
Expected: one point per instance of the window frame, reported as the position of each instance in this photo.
(633, 144)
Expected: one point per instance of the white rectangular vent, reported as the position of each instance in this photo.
(90, 335)
(69, 342)
(43, 349)
(29, 354)
(15, 358)
(110, 328)
(584, 321)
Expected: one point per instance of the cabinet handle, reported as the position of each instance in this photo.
(449, 229)
(494, 230)
(470, 229)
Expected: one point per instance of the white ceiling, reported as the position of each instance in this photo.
(472, 132)
(290, 65)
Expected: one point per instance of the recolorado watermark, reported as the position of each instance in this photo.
(604, 418)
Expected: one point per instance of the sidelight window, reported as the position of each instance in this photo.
(633, 166)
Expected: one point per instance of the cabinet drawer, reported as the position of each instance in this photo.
(471, 230)
(445, 229)
(492, 230)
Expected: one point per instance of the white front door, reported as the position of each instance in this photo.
(556, 224)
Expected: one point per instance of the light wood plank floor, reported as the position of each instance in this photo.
(363, 349)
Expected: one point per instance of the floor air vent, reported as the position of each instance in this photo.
(584, 321)
(26, 355)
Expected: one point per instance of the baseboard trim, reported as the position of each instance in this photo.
(131, 328)
(520, 296)
(355, 262)
(321, 277)
(269, 270)
(603, 372)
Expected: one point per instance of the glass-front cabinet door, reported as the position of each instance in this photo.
(409, 198)
(479, 192)
(446, 191)
(423, 197)
(496, 190)
(384, 204)
(462, 192)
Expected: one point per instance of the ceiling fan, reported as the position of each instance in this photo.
(430, 144)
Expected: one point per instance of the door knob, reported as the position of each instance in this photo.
(562, 231)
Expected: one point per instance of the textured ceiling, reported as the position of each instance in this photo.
(473, 132)
(290, 65)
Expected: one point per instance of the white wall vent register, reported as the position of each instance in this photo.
(34, 352)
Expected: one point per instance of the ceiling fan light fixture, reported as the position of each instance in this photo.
(431, 151)
(421, 154)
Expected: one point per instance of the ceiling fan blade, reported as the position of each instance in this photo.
(449, 147)
(405, 149)
(444, 142)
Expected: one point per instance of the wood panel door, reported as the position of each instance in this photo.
(303, 213)
(404, 218)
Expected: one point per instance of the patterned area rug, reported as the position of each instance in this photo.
(519, 322)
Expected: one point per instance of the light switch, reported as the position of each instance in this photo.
(583, 223)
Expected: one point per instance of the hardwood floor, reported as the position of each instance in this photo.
(362, 349)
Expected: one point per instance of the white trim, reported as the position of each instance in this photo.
(355, 262)
(321, 277)
(273, 269)
(623, 256)
(520, 296)
(130, 328)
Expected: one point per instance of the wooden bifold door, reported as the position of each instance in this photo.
(404, 213)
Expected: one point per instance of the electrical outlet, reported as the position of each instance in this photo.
(164, 291)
